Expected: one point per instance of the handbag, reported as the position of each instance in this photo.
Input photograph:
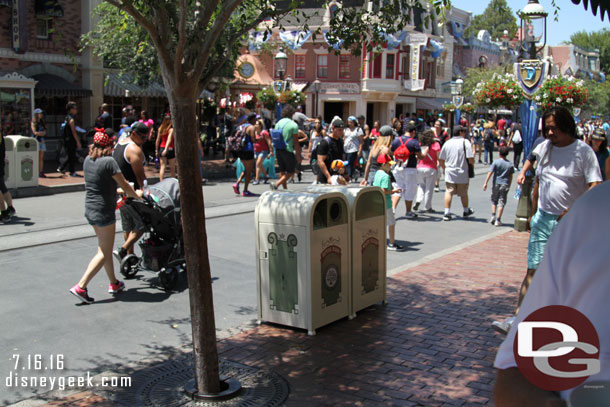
(470, 166)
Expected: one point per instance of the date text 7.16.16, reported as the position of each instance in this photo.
(37, 362)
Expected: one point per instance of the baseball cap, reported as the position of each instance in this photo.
(384, 158)
(386, 131)
(599, 134)
(36, 111)
(101, 139)
(338, 123)
(139, 127)
(352, 119)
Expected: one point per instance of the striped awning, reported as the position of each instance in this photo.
(52, 85)
(124, 85)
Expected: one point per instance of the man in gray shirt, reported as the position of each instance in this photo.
(502, 171)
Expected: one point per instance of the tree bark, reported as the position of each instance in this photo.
(183, 106)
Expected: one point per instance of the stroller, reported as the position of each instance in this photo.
(162, 246)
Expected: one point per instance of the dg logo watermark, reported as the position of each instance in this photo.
(557, 348)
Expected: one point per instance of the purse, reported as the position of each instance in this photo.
(470, 166)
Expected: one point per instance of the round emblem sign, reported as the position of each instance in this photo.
(557, 348)
(246, 69)
(331, 276)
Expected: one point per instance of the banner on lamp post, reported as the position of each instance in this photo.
(531, 74)
(458, 101)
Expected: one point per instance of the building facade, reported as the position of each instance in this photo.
(41, 65)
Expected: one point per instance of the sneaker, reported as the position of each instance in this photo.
(416, 206)
(437, 189)
(248, 193)
(410, 215)
(395, 247)
(266, 180)
(81, 294)
(236, 189)
(480, 162)
(503, 326)
(272, 187)
(498, 222)
(468, 213)
(5, 217)
(447, 217)
(430, 210)
(42, 175)
(75, 175)
(300, 176)
(61, 171)
(256, 182)
(119, 254)
(115, 288)
(11, 211)
(492, 219)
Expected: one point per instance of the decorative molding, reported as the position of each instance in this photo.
(16, 80)
(46, 68)
(39, 57)
(320, 51)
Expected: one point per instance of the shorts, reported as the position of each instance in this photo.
(286, 161)
(100, 223)
(42, 146)
(246, 155)
(131, 221)
(542, 225)
(477, 140)
(460, 190)
(390, 219)
(171, 153)
(262, 154)
(406, 179)
(498, 194)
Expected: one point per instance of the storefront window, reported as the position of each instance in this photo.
(15, 111)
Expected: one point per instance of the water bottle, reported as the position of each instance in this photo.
(518, 192)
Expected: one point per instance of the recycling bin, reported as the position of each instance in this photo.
(368, 237)
(26, 161)
(9, 163)
(303, 252)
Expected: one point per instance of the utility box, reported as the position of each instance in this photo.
(368, 244)
(303, 252)
(9, 163)
(26, 161)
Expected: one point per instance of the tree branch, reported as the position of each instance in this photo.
(204, 19)
(178, 65)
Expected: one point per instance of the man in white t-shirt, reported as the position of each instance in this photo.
(567, 168)
(573, 273)
(454, 158)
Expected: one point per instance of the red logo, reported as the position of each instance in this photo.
(557, 348)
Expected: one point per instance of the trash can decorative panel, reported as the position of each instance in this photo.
(283, 276)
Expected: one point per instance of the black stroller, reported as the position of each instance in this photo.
(162, 246)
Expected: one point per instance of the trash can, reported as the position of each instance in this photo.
(9, 163)
(368, 248)
(302, 243)
(26, 161)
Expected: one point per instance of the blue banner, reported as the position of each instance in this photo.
(528, 111)
(458, 115)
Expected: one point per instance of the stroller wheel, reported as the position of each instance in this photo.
(168, 277)
(130, 266)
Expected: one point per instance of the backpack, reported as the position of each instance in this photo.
(277, 138)
(64, 128)
(237, 141)
(402, 153)
(489, 136)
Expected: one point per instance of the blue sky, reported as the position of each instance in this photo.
(572, 17)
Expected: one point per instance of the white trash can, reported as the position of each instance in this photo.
(26, 161)
(303, 252)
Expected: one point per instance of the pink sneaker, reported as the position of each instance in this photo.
(236, 189)
(115, 288)
(81, 294)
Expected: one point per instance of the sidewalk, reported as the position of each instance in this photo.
(431, 346)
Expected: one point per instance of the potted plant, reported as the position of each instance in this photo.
(292, 97)
(500, 91)
(267, 97)
(561, 91)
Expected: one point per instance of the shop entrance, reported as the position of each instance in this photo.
(332, 109)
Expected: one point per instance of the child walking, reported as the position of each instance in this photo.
(382, 180)
(502, 171)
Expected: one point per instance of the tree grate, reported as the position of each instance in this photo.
(163, 386)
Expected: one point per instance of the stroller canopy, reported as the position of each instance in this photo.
(166, 193)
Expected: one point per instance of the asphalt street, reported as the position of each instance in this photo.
(46, 250)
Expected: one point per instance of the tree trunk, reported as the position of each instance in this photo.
(183, 107)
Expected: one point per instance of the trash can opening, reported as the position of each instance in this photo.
(370, 205)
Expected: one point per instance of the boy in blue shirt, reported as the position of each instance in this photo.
(382, 180)
(502, 171)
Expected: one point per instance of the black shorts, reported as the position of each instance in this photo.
(287, 162)
(246, 155)
(171, 154)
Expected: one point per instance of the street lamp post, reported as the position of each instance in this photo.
(533, 29)
(281, 60)
(316, 88)
(456, 98)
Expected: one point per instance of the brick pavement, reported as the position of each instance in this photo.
(431, 346)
